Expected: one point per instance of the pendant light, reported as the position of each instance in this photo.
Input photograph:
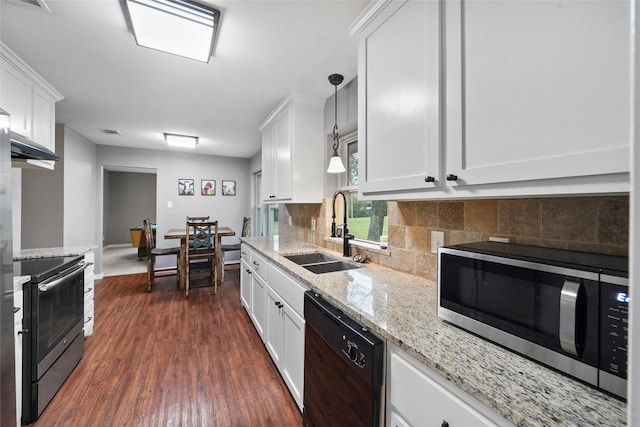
(335, 164)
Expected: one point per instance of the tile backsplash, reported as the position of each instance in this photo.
(590, 224)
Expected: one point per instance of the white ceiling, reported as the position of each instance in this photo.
(265, 50)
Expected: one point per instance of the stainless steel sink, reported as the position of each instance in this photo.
(319, 263)
(328, 267)
(311, 258)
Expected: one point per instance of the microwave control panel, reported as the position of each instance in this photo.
(614, 328)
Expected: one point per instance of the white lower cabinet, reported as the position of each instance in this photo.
(417, 396)
(275, 303)
(245, 285)
(285, 342)
(17, 317)
(89, 282)
(258, 303)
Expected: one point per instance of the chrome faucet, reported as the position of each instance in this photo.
(345, 230)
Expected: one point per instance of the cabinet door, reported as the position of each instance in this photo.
(258, 304)
(268, 164)
(283, 158)
(245, 286)
(399, 69)
(537, 89)
(15, 90)
(43, 122)
(274, 333)
(293, 354)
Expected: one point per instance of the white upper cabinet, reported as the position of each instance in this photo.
(538, 90)
(292, 151)
(535, 98)
(398, 98)
(28, 98)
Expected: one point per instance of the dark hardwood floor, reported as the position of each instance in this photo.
(158, 359)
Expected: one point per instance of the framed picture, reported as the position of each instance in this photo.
(208, 187)
(228, 188)
(185, 187)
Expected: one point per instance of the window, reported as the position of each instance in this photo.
(367, 219)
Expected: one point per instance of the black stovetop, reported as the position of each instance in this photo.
(42, 268)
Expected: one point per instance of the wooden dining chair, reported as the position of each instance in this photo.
(246, 231)
(202, 250)
(153, 252)
(197, 218)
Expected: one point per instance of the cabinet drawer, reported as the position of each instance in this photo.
(417, 398)
(289, 290)
(88, 327)
(258, 264)
(88, 294)
(88, 312)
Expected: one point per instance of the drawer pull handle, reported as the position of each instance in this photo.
(452, 177)
(429, 179)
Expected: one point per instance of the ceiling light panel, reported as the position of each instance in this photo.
(182, 141)
(174, 26)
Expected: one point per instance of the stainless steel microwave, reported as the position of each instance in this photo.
(565, 309)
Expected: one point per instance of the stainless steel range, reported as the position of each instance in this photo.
(53, 342)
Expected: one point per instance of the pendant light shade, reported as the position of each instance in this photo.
(335, 164)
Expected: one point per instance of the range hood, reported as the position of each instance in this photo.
(27, 153)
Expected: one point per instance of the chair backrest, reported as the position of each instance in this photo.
(197, 218)
(148, 234)
(205, 234)
(246, 226)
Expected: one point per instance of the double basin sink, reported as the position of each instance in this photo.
(318, 263)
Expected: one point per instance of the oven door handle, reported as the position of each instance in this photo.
(46, 286)
(568, 316)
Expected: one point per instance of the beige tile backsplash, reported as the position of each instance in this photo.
(591, 224)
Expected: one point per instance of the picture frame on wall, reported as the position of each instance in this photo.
(228, 188)
(207, 187)
(185, 187)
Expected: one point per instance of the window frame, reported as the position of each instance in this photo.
(343, 182)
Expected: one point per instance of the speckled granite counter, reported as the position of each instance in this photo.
(402, 308)
(51, 252)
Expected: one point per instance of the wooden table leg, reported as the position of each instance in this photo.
(182, 264)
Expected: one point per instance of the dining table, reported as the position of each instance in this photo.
(180, 233)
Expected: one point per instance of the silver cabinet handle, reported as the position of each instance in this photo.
(568, 306)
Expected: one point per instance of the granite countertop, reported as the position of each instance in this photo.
(402, 309)
(51, 252)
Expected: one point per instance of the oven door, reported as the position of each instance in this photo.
(545, 312)
(58, 313)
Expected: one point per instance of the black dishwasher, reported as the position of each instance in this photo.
(343, 368)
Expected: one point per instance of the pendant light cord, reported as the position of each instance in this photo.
(336, 135)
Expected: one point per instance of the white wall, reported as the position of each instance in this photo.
(79, 207)
(347, 122)
(171, 166)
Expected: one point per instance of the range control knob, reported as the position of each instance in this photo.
(353, 353)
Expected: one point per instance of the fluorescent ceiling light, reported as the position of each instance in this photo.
(179, 27)
(182, 141)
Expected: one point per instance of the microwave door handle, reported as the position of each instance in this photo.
(45, 286)
(568, 306)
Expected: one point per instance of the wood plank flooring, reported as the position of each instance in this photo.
(158, 359)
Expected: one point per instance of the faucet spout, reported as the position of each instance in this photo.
(345, 231)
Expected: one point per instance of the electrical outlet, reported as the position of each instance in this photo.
(499, 239)
(169, 205)
(313, 224)
(437, 240)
